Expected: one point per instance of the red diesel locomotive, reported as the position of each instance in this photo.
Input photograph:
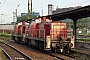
(44, 34)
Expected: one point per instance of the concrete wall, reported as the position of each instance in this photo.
(6, 27)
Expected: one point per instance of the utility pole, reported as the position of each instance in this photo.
(16, 15)
(42, 11)
(16, 12)
(29, 9)
(13, 20)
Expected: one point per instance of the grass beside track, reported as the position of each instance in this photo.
(5, 35)
(2, 56)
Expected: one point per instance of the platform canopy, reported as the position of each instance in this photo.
(73, 14)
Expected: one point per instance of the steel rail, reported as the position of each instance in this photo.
(15, 50)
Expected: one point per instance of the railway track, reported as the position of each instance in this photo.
(63, 56)
(13, 53)
(55, 56)
(69, 55)
(83, 36)
(82, 55)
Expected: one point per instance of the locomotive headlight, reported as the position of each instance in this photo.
(73, 42)
(27, 34)
(61, 50)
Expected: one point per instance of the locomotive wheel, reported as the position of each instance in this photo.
(27, 42)
(67, 49)
(41, 45)
(55, 50)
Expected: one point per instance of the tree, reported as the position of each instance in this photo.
(82, 23)
(25, 17)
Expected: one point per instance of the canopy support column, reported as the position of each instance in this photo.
(74, 31)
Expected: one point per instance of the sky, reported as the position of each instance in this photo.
(7, 7)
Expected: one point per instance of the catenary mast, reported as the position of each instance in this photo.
(29, 9)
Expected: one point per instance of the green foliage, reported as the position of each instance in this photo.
(82, 22)
(25, 17)
(22, 18)
(3, 57)
(84, 40)
(5, 35)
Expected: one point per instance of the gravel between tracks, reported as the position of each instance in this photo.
(35, 54)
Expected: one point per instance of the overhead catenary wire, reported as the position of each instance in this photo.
(2, 3)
